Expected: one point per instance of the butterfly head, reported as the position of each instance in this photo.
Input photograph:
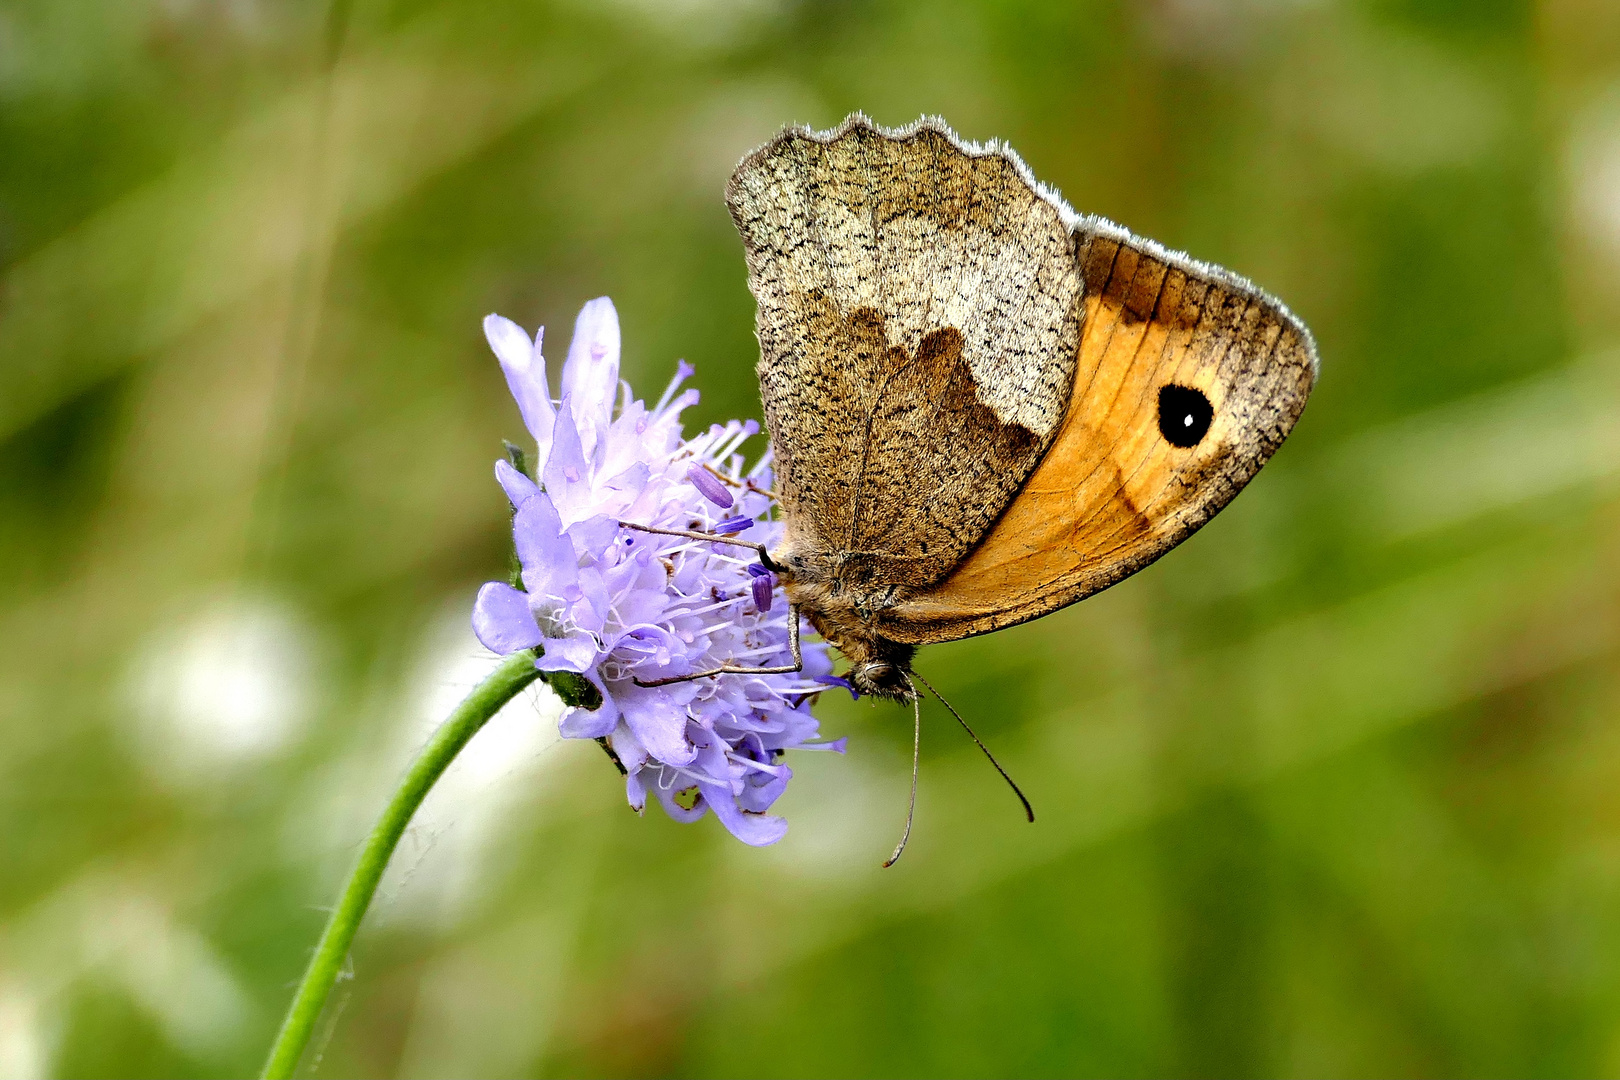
(878, 666)
(884, 678)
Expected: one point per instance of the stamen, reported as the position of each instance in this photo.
(735, 438)
(709, 487)
(837, 746)
(682, 371)
(750, 763)
(763, 588)
(834, 680)
(693, 612)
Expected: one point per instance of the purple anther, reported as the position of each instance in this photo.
(735, 525)
(709, 485)
(762, 588)
(757, 570)
(834, 680)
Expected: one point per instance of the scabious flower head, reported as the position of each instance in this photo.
(618, 605)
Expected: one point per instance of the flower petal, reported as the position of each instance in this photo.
(659, 724)
(594, 723)
(567, 475)
(631, 753)
(758, 830)
(518, 487)
(502, 620)
(593, 536)
(666, 798)
(576, 652)
(525, 369)
(591, 373)
(549, 563)
(762, 787)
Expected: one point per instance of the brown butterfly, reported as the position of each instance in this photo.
(984, 406)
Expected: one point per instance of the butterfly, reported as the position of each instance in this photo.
(982, 405)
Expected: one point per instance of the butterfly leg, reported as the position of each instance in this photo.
(713, 538)
(730, 669)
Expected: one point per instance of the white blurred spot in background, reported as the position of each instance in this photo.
(24, 1053)
(448, 860)
(229, 687)
(840, 810)
(134, 940)
(116, 928)
(1595, 174)
(488, 1006)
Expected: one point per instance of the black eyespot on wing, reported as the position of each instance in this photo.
(1184, 415)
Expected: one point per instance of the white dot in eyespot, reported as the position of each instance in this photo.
(1186, 421)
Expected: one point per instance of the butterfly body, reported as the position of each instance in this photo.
(982, 405)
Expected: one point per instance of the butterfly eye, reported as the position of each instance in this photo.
(1184, 415)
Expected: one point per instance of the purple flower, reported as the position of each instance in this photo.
(619, 605)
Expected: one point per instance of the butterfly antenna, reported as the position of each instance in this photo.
(911, 809)
(1029, 810)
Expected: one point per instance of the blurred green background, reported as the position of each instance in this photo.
(1333, 790)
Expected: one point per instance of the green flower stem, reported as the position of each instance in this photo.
(514, 673)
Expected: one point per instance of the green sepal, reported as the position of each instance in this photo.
(576, 691)
(519, 460)
(514, 568)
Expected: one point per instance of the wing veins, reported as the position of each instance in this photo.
(1123, 479)
(866, 449)
(1250, 304)
(1142, 261)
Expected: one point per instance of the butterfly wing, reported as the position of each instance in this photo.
(1116, 491)
(919, 315)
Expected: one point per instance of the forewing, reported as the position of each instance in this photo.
(919, 314)
(1114, 493)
